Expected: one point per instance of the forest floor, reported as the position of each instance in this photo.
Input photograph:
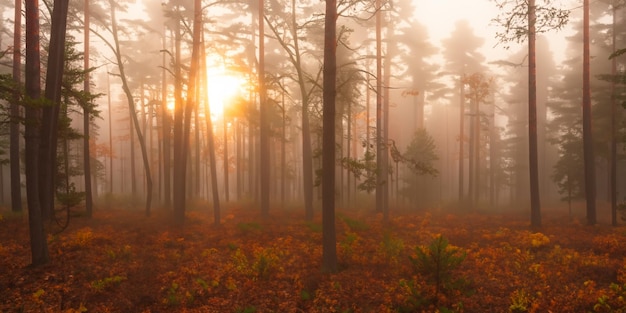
(121, 261)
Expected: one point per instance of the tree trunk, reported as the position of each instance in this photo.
(590, 173)
(283, 154)
(38, 240)
(535, 208)
(226, 165)
(166, 135)
(329, 252)
(14, 130)
(131, 136)
(613, 148)
(133, 113)
(348, 154)
(110, 137)
(211, 141)
(379, 121)
(385, 149)
(264, 122)
(186, 113)
(477, 148)
(461, 137)
(179, 167)
(50, 113)
(86, 119)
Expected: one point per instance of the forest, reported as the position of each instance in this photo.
(335, 156)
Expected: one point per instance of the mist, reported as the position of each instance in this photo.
(207, 138)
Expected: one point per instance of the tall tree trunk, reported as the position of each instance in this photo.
(264, 122)
(348, 154)
(329, 251)
(196, 123)
(133, 113)
(307, 154)
(613, 148)
(32, 114)
(166, 135)
(385, 149)
(239, 151)
(86, 119)
(133, 171)
(461, 137)
(535, 208)
(226, 178)
(50, 113)
(493, 135)
(477, 149)
(179, 167)
(472, 147)
(379, 120)
(283, 153)
(110, 137)
(211, 141)
(590, 173)
(14, 128)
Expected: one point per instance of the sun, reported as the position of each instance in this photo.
(223, 88)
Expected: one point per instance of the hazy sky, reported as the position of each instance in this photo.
(440, 16)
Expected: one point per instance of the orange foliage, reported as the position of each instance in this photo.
(120, 261)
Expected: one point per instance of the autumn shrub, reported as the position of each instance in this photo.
(266, 263)
(520, 301)
(538, 240)
(415, 298)
(348, 243)
(391, 247)
(246, 309)
(173, 298)
(615, 300)
(82, 238)
(249, 228)
(240, 262)
(607, 243)
(125, 253)
(437, 264)
(354, 225)
(314, 227)
(106, 283)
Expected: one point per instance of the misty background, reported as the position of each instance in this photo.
(429, 48)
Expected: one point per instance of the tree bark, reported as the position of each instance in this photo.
(590, 173)
(379, 119)
(264, 122)
(86, 119)
(179, 163)
(166, 136)
(133, 113)
(38, 240)
(613, 148)
(461, 137)
(329, 251)
(50, 112)
(535, 208)
(110, 138)
(14, 128)
(211, 144)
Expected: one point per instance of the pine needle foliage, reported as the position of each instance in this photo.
(437, 263)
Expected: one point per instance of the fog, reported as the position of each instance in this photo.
(312, 156)
(427, 49)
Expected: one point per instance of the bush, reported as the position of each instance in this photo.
(437, 263)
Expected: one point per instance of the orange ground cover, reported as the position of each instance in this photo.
(120, 261)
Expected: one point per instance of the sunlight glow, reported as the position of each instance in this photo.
(223, 88)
